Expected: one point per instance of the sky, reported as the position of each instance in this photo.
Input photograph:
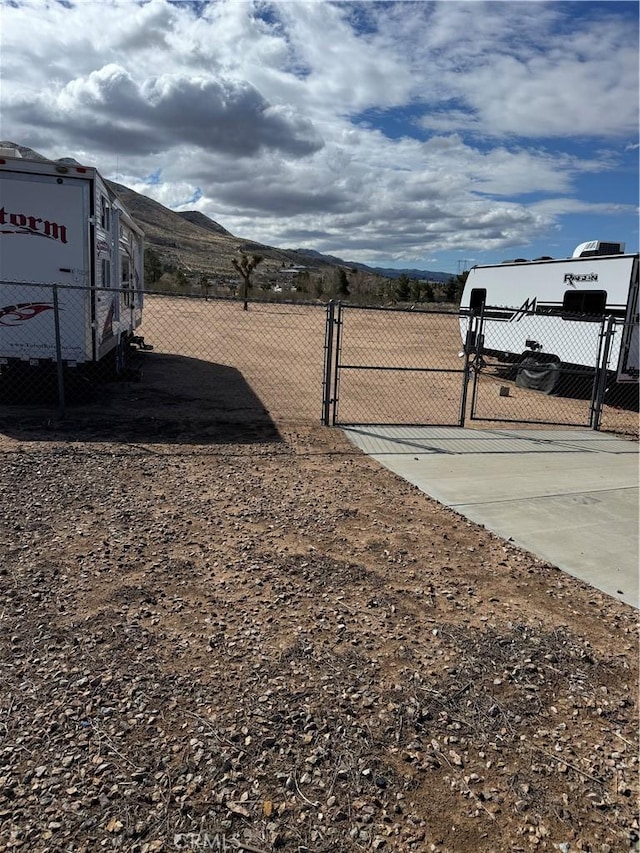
(428, 135)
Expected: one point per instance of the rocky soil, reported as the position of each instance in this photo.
(270, 643)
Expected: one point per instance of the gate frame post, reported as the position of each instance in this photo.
(601, 374)
(477, 328)
(336, 371)
(328, 362)
(462, 414)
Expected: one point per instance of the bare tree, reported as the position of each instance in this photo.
(205, 285)
(245, 266)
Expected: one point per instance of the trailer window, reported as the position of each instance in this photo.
(106, 273)
(125, 280)
(581, 302)
(477, 299)
(104, 214)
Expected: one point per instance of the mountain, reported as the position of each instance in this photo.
(385, 272)
(192, 241)
(420, 275)
(197, 218)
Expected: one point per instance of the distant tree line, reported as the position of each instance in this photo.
(248, 275)
(416, 290)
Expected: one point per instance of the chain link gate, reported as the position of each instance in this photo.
(405, 367)
(527, 380)
(393, 366)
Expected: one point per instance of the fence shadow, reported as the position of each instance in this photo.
(177, 400)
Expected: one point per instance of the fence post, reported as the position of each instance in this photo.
(56, 320)
(475, 339)
(336, 372)
(328, 362)
(462, 414)
(601, 378)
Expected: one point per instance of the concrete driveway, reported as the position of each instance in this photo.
(569, 497)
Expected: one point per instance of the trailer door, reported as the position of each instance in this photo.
(44, 221)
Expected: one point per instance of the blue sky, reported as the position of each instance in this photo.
(408, 134)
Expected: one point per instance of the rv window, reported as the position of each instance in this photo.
(104, 213)
(125, 280)
(477, 299)
(106, 273)
(591, 302)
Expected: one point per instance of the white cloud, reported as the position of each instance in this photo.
(110, 108)
(525, 69)
(374, 129)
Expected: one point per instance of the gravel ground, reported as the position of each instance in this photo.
(269, 642)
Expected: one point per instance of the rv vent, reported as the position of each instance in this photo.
(596, 247)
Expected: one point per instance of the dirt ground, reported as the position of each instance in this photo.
(225, 628)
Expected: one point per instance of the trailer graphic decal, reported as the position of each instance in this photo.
(107, 331)
(32, 225)
(14, 315)
(571, 278)
(527, 307)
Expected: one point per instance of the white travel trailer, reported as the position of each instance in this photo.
(60, 224)
(553, 310)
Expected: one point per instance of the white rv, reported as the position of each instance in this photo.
(60, 224)
(554, 309)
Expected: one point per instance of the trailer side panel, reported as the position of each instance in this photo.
(44, 234)
(524, 303)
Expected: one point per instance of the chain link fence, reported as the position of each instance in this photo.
(177, 364)
(167, 366)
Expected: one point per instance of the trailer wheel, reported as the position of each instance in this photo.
(116, 361)
(538, 371)
(121, 353)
